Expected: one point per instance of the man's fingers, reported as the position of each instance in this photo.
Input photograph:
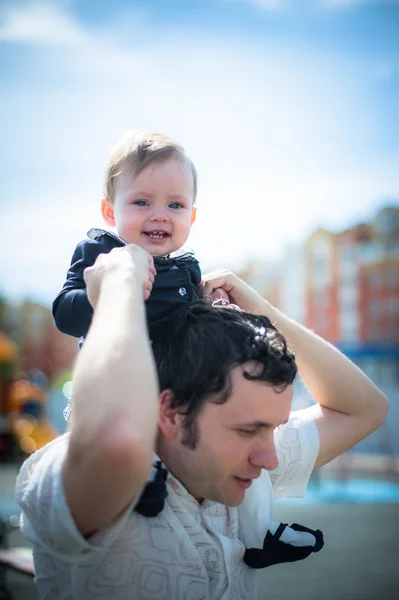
(87, 272)
(151, 263)
(131, 259)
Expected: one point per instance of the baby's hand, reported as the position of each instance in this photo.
(130, 262)
(222, 284)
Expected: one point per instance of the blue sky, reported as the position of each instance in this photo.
(288, 109)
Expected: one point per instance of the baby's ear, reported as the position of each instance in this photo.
(193, 214)
(107, 212)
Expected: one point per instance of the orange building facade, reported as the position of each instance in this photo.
(352, 283)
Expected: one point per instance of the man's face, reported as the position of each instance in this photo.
(154, 208)
(235, 441)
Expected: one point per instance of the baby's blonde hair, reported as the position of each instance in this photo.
(138, 149)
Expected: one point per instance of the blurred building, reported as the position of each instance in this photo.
(379, 280)
(352, 292)
(292, 284)
(345, 287)
(41, 346)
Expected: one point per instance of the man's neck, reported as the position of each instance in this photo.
(163, 456)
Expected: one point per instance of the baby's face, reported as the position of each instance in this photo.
(154, 209)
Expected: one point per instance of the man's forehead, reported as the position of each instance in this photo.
(257, 401)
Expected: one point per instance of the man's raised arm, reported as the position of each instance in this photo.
(349, 405)
(115, 394)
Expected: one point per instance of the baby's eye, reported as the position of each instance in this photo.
(140, 202)
(175, 205)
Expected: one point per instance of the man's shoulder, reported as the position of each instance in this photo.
(297, 446)
(298, 419)
(299, 433)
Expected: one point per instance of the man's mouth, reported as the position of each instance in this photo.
(156, 235)
(245, 483)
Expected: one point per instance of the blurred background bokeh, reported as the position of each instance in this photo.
(289, 110)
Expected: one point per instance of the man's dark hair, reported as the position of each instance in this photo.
(196, 351)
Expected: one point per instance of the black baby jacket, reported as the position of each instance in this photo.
(176, 284)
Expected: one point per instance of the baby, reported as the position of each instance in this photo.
(150, 191)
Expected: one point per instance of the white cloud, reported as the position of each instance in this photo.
(41, 24)
(44, 24)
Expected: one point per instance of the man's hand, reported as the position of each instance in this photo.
(129, 261)
(349, 406)
(222, 284)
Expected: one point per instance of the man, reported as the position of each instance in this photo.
(219, 435)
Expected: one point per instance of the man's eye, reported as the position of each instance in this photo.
(247, 432)
(175, 205)
(140, 202)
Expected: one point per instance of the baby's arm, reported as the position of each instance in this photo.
(72, 310)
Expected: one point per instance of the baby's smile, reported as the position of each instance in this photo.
(157, 235)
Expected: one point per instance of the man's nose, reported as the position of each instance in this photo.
(264, 456)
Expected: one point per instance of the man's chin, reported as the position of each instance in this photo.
(234, 503)
(233, 500)
(231, 497)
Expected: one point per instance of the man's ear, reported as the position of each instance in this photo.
(107, 212)
(193, 214)
(169, 420)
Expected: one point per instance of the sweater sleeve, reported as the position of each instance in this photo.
(72, 310)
